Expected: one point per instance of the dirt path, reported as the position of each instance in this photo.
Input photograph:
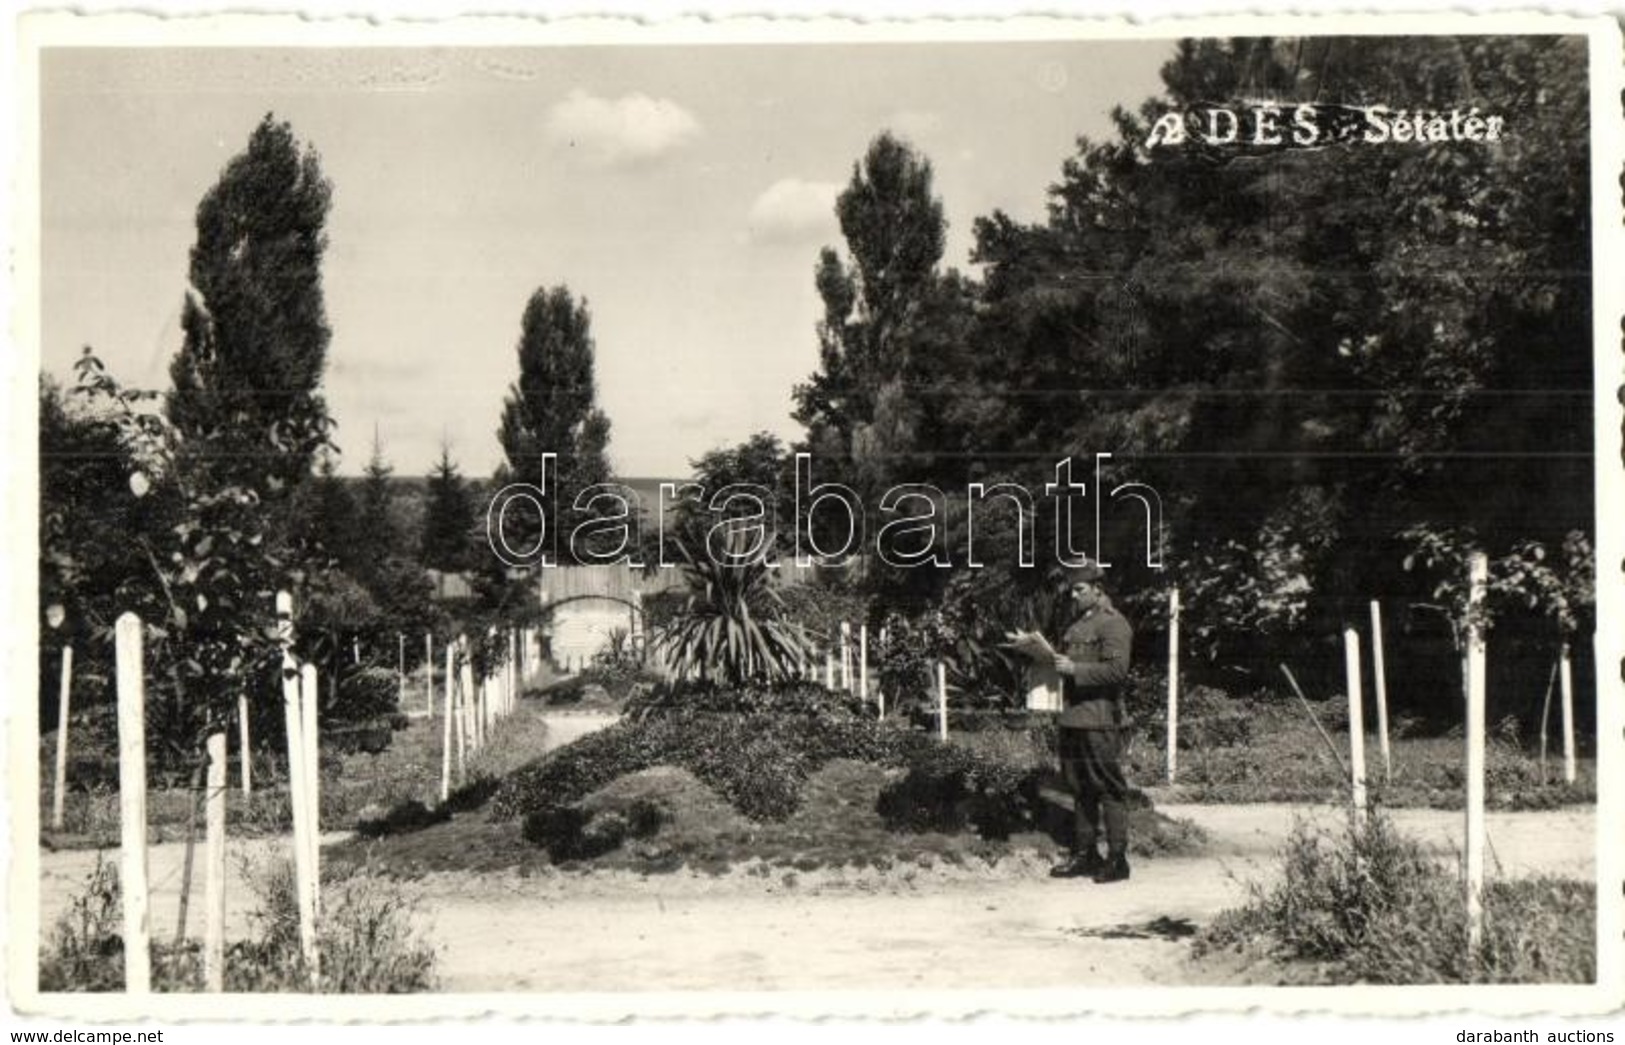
(565, 726)
(1009, 926)
(832, 931)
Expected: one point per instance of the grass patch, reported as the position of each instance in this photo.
(1266, 750)
(372, 793)
(365, 938)
(1371, 905)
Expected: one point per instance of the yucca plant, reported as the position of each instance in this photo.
(733, 628)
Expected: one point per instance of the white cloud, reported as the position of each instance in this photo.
(633, 128)
(792, 209)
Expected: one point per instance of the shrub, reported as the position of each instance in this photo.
(1373, 906)
(574, 833)
(556, 829)
(368, 944)
(366, 941)
(1209, 717)
(366, 694)
(410, 815)
(618, 678)
(85, 951)
(948, 787)
(906, 660)
(821, 607)
(757, 761)
(567, 690)
(733, 627)
(797, 697)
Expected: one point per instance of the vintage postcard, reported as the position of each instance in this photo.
(593, 519)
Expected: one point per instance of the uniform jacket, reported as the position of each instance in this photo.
(1099, 644)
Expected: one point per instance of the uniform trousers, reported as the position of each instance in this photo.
(1092, 764)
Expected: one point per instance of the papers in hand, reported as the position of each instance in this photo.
(1031, 644)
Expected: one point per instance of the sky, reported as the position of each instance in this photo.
(683, 191)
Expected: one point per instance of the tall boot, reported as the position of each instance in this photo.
(1085, 863)
(1113, 869)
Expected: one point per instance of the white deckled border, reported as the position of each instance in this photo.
(140, 30)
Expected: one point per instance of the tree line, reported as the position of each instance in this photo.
(1320, 358)
(1344, 368)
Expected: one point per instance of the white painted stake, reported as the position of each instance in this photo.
(214, 866)
(309, 699)
(445, 731)
(863, 663)
(829, 671)
(1478, 574)
(846, 656)
(942, 702)
(64, 694)
(488, 687)
(471, 739)
(428, 674)
(880, 692)
(298, 780)
(1379, 666)
(1173, 684)
(1351, 671)
(460, 713)
(132, 794)
(245, 758)
(1565, 679)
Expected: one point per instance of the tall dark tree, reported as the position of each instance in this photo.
(553, 407)
(247, 379)
(330, 527)
(1351, 335)
(884, 309)
(760, 463)
(448, 518)
(375, 508)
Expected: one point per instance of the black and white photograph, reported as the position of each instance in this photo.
(746, 517)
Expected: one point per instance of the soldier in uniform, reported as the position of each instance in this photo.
(1093, 663)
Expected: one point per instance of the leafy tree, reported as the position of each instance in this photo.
(201, 573)
(1352, 336)
(552, 408)
(760, 462)
(88, 512)
(247, 379)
